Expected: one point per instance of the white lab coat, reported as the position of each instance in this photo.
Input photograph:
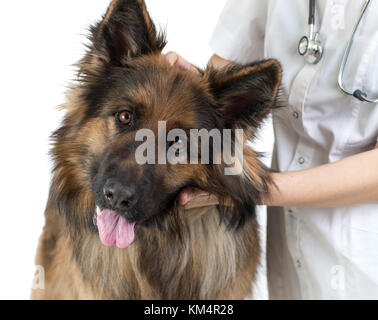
(328, 253)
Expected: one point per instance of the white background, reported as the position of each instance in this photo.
(40, 40)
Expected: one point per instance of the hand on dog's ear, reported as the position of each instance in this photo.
(247, 93)
(125, 32)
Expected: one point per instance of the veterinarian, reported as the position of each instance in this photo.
(322, 233)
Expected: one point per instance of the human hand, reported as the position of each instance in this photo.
(192, 198)
(176, 60)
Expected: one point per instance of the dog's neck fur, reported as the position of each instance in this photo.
(161, 266)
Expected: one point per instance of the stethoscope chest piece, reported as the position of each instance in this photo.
(311, 48)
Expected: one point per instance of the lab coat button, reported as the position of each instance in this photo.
(301, 160)
(295, 114)
(298, 263)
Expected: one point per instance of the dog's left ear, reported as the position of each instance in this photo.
(125, 32)
(246, 93)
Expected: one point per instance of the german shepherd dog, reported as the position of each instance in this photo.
(142, 244)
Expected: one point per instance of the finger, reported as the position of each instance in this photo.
(202, 200)
(189, 194)
(185, 65)
(186, 195)
(183, 198)
(176, 60)
(172, 58)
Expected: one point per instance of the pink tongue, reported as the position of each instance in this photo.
(114, 229)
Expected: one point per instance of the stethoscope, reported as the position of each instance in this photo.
(311, 48)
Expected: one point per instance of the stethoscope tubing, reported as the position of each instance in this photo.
(356, 93)
(313, 50)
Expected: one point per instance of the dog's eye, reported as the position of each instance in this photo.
(124, 117)
(178, 145)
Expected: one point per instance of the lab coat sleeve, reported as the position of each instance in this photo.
(239, 33)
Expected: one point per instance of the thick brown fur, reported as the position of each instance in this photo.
(205, 253)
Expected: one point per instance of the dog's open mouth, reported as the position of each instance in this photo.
(114, 230)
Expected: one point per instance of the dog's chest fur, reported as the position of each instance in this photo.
(210, 262)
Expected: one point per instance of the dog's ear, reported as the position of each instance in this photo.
(246, 93)
(125, 32)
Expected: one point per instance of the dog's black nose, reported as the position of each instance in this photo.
(119, 196)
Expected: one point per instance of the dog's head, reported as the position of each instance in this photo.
(128, 99)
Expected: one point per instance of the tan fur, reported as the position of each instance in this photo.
(225, 265)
